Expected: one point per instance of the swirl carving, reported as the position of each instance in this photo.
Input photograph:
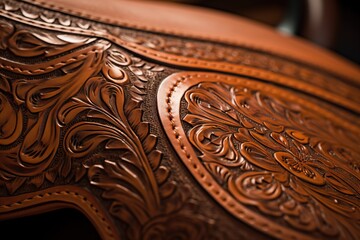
(43, 97)
(262, 149)
(201, 55)
(281, 143)
(74, 113)
(71, 112)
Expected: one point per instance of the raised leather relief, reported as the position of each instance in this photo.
(254, 145)
(73, 111)
(91, 113)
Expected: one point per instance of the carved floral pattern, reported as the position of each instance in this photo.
(191, 50)
(277, 156)
(78, 112)
(73, 107)
(43, 97)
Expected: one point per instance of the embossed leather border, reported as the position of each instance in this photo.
(181, 33)
(120, 74)
(345, 98)
(169, 97)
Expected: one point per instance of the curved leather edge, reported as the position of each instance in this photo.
(56, 198)
(207, 25)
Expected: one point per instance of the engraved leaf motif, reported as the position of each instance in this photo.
(42, 97)
(257, 188)
(112, 67)
(131, 193)
(339, 184)
(338, 203)
(210, 107)
(221, 173)
(101, 100)
(11, 121)
(6, 30)
(216, 143)
(127, 178)
(45, 97)
(84, 138)
(339, 155)
(13, 185)
(297, 172)
(258, 156)
(22, 43)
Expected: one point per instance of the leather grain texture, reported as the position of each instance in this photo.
(160, 130)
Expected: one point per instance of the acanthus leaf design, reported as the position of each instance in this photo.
(255, 146)
(127, 179)
(96, 110)
(79, 113)
(275, 143)
(48, 101)
(11, 126)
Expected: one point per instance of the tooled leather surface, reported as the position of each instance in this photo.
(209, 57)
(204, 24)
(78, 110)
(250, 144)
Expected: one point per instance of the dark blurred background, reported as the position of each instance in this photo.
(333, 24)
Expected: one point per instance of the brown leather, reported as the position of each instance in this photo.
(205, 24)
(158, 120)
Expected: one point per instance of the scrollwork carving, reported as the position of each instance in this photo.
(199, 54)
(290, 173)
(10, 127)
(76, 105)
(265, 150)
(43, 97)
(74, 101)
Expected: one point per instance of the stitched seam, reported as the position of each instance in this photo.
(201, 63)
(121, 42)
(209, 185)
(170, 32)
(51, 67)
(73, 193)
(216, 191)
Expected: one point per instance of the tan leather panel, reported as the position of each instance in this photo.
(222, 58)
(200, 23)
(250, 144)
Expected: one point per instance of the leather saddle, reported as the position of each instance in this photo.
(162, 121)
